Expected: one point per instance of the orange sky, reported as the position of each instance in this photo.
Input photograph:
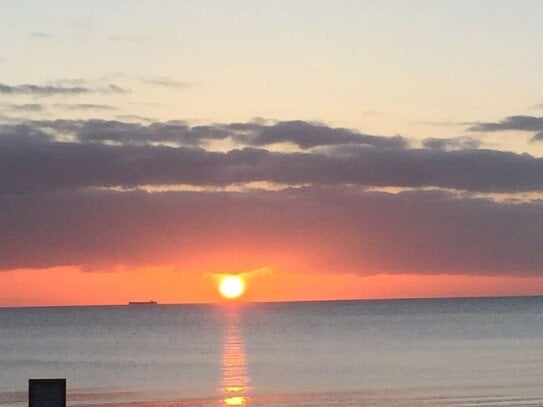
(69, 286)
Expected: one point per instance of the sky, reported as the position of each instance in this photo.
(318, 149)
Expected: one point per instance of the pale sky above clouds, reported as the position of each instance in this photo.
(416, 68)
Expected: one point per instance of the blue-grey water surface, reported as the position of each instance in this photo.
(439, 352)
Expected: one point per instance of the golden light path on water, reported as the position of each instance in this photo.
(235, 376)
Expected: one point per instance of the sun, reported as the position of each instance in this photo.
(231, 287)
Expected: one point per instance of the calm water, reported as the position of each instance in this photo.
(451, 352)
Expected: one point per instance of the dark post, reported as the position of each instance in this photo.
(47, 393)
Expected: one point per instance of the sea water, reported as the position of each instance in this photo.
(435, 352)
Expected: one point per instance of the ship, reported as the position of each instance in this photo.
(142, 303)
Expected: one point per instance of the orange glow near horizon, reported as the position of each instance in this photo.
(71, 286)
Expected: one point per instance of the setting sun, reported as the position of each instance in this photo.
(231, 287)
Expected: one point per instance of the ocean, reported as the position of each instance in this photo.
(431, 352)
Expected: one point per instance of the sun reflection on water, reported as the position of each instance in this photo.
(235, 376)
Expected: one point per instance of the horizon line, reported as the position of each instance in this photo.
(231, 303)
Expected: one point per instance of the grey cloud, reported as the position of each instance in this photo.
(22, 135)
(166, 82)
(334, 229)
(42, 90)
(112, 89)
(45, 164)
(522, 123)
(51, 90)
(458, 143)
(26, 107)
(307, 135)
(130, 133)
(134, 117)
(53, 216)
(537, 137)
(302, 134)
(69, 82)
(83, 106)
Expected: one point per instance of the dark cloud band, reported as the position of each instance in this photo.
(58, 207)
(31, 159)
(332, 229)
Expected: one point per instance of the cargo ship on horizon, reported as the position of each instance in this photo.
(142, 303)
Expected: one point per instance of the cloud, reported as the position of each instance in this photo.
(327, 228)
(26, 107)
(107, 154)
(521, 123)
(69, 82)
(83, 106)
(166, 82)
(72, 193)
(304, 135)
(458, 143)
(518, 123)
(307, 135)
(22, 134)
(537, 137)
(52, 90)
(112, 89)
(38, 107)
(38, 34)
(42, 90)
(134, 117)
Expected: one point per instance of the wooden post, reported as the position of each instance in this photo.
(47, 393)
